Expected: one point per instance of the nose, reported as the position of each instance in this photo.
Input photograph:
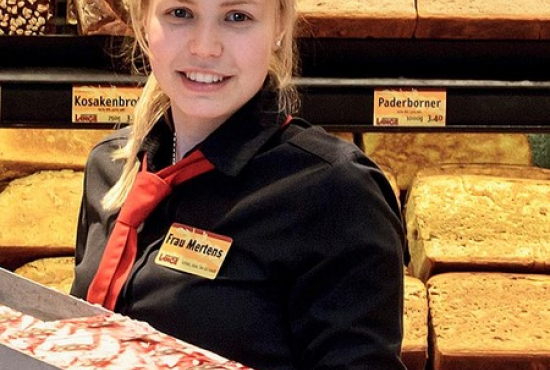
(205, 41)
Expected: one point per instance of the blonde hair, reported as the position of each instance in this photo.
(154, 103)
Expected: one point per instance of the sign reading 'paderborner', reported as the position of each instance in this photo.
(410, 107)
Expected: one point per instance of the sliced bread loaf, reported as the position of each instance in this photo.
(478, 217)
(39, 216)
(489, 321)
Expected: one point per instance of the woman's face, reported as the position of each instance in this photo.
(211, 56)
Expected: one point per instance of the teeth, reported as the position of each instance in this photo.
(204, 77)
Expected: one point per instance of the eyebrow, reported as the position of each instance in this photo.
(238, 2)
(225, 3)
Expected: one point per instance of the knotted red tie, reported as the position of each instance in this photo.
(148, 191)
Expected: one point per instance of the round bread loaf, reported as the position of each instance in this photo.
(54, 272)
(407, 153)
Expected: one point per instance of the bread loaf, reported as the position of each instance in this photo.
(406, 153)
(414, 351)
(39, 216)
(480, 19)
(54, 272)
(355, 18)
(478, 217)
(103, 17)
(25, 151)
(489, 321)
(26, 17)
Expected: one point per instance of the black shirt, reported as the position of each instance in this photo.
(313, 279)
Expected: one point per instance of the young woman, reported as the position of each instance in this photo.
(259, 237)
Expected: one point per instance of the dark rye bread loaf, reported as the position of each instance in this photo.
(478, 217)
(489, 321)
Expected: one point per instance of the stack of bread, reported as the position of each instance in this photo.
(474, 231)
(439, 19)
(41, 171)
(479, 237)
(414, 350)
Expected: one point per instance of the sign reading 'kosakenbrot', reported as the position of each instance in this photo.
(100, 104)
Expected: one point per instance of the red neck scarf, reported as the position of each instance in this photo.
(148, 191)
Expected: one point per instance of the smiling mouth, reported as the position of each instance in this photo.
(205, 78)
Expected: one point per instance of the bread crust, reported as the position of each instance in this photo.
(356, 18)
(479, 19)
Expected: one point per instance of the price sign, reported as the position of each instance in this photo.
(410, 107)
(100, 104)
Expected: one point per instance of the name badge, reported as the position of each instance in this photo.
(193, 250)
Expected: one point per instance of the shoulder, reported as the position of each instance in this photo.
(100, 164)
(110, 143)
(348, 171)
(314, 141)
(113, 141)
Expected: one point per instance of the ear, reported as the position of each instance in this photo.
(279, 37)
(280, 27)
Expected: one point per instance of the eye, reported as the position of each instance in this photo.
(181, 13)
(238, 17)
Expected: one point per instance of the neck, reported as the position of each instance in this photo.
(188, 133)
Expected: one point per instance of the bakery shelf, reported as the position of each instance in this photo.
(500, 85)
(323, 57)
(339, 104)
(472, 105)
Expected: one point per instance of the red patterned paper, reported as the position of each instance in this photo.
(112, 342)
(12, 321)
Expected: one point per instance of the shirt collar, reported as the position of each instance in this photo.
(232, 145)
